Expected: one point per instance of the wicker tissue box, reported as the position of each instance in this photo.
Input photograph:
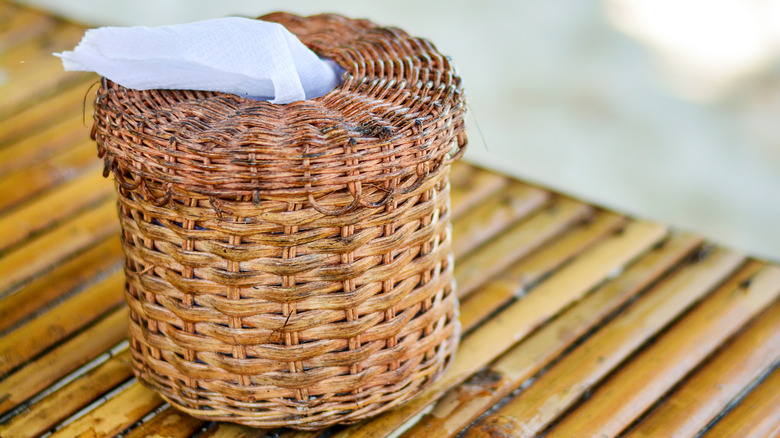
(290, 265)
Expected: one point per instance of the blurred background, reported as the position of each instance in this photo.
(665, 109)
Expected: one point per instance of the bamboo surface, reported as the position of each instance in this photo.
(577, 321)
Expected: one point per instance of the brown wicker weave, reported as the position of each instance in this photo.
(290, 265)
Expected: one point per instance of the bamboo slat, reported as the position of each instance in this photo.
(25, 184)
(69, 399)
(517, 242)
(708, 392)
(58, 323)
(59, 281)
(527, 202)
(37, 52)
(493, 296)
(638, 384)
(226, 430)
(464, 403)
(62, 360)
(33, 73)
(479, 185)
(75, 99)
(37, 85)
(53, 207)
(170, 423)
(22, 24)
(517, 320)
(113, 416)
(599, 226)
(68, 238)
(756, 415)
(481, 224)
(563, 384)
(68, 130)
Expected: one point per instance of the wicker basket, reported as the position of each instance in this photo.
(290, 265)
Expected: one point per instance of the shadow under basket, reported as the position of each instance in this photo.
(290, 265)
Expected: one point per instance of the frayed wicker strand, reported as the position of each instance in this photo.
(290, 265)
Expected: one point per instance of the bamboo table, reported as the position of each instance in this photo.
(577, 321)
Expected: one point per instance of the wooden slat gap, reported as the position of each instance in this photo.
(547, 345)
(740, 402)
(75, 98)
(38, 375)
(679, 348)
(497, 255)
(564, 384)
(70, 336)
(67, 396)
(72, 237)
(743, 339)
(27, 186)
(72, 292)
(52, 225)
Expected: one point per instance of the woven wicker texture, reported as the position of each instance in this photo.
(290, 265)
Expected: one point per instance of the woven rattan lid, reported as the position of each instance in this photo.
(396, 117)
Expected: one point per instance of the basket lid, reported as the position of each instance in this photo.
(396, 117)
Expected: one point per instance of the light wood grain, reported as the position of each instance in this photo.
(638, 384)
(49, 248)
(563, 384)
(62, 360)
(74, 99)
(33, 73)
(113, 416)
(226, 430)
(58, 323)
(68, 130)
(490, 219)
(22, 24)
(518, 241)
(464, 403)
(479, 186)
(69, 399)
(476, 307)
(757, 416)
(170, 423)
(60, 280)
(54, 207)
(709, 391)
(24, 184)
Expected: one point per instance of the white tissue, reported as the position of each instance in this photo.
(250, 58)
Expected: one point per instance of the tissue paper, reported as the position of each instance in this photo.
(250, 58)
